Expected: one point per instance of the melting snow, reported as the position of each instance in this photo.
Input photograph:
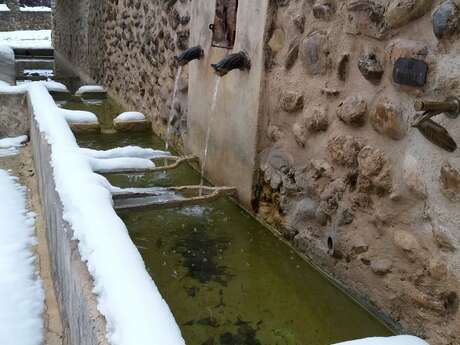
(4, 8)
(130, 116)
(21, 291)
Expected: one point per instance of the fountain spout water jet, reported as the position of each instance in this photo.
(208, 133)
(233, 61)
(190, 54)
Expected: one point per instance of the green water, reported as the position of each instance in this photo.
(227, 279)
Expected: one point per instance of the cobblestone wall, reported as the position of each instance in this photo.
(344, 175)
(20, 20)
(129, 46)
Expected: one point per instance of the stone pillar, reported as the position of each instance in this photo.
(13, 5)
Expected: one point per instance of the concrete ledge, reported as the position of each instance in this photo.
(133, 126)
(83, 324)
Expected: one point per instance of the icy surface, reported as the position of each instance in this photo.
(21, 291)
(136, 313)
(127, 151)
(89, 88)
(123, 163)
(398, 340)
(130, 116)
(35, 9)
(26, 39)
(4, 8)
(13, 142)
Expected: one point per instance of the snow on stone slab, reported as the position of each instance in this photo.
(89, 88)
(51, 85)
(78, 116)
(27, 39)
(35, 9)
(21, 291)
(127, 151)
(398, 340)
(130, 116)
(13, 142)
(127, 297)
(4, 8)
(123, 163)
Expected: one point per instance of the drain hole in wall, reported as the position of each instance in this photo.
(451, 302)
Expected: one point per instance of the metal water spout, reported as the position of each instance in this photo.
(190, 54)
(233, 61)
(433, 131)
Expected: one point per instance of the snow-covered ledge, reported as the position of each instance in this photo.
(94, 261)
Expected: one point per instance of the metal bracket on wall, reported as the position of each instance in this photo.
(431, 130)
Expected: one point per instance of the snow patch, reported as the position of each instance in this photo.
(398, 340)
(35, 9)
(22, 302)
(27, 39)
(119, 164)
(127, 151)
(13, 142)
(127, 296)
(130, 116)
(4, 8)
(89, 88)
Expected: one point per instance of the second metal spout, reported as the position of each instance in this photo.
(233, 61)
(190, 54)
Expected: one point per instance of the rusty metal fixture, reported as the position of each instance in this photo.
(233, 61)
(190, 54)
(451, 107)
(431, 130)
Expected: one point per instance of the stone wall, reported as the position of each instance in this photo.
(344, 176)
(19, 20)
(129, 47)
(83, 324)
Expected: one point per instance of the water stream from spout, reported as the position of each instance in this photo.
(171, 111)
(208, 132)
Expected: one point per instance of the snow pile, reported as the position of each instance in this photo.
(78, 116)
(35, 9)
(127, 297)
(26, 39)
(120, 164)
(89, 88)
(4, 8)
(127, 151)
(130, 116)
(22, 301)
(13, 142)
(398, 340)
